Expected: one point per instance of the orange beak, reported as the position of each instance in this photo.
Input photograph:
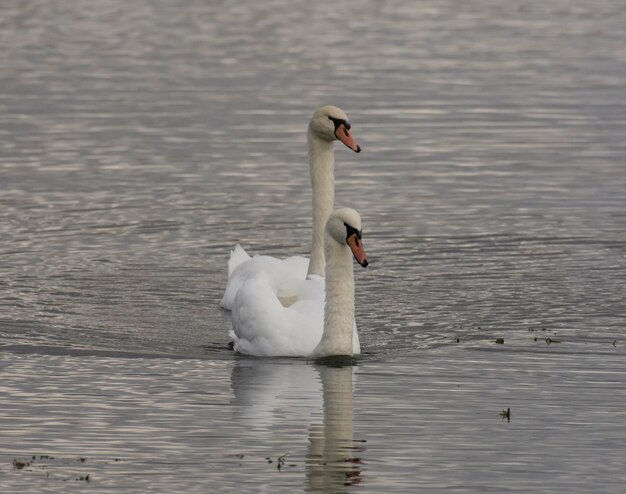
(345, 136)
(356, 246)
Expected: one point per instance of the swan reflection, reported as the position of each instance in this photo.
(274, 392)
(269, 392)
(334, 458)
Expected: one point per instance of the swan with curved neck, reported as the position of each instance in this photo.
(262, 326)
(328, 124)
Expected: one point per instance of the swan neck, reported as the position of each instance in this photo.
(322, 169)
(339, 305)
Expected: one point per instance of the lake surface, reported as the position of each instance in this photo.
(139, 141)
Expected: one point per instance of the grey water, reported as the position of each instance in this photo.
(139, 141)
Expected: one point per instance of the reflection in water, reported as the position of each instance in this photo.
(333, 462)
(266, 390)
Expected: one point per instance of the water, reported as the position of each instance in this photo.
(141, 140)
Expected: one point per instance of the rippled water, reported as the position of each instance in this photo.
(140, 140)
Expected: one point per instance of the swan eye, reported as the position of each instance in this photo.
(350, 230)
(339, 121)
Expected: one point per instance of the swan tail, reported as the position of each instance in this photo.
(237, 256)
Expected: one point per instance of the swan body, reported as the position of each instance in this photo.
(321, 320)
(327, 125)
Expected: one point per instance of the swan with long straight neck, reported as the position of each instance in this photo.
(341, 242)
(327, 125)
(321, 322)
(322, 170)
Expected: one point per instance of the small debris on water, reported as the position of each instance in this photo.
(506, 414)
(552, 340)
(236, 455)
(500, 341)
(44, 462)
(19, 464)
(280, 461)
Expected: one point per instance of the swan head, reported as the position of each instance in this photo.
(331, 123)
(344, 226)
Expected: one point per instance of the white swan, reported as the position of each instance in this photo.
(328, 124)
(263, 326)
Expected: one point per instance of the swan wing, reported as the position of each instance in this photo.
(241, 268)
(263, 326)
